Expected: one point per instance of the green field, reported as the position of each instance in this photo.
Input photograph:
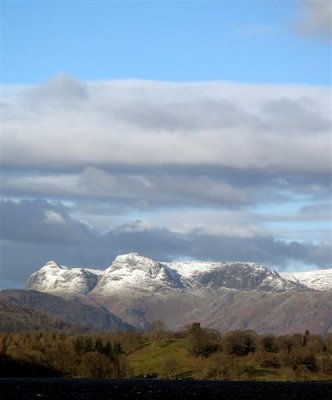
(170, 359)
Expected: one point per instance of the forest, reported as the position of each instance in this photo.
(193, 352)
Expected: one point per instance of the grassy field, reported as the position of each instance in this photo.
(170, 359)
(167, 359)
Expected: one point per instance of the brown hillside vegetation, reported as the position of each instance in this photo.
(16, 319)
(193, 352)
(72, 310)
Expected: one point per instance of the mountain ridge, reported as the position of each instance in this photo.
(223, 296)
(133, 270)
(320, 279)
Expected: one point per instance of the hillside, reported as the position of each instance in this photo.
(18, 319)
(72, 311)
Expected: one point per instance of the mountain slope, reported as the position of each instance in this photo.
(17, 319)
(320, 279)
(73, 311)
(278, 313)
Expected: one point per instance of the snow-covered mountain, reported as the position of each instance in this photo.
(224, 296)
(238, 276)
(135, 273)
(320, 279)
(53, 278)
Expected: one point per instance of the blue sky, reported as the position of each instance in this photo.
(249, 41)
(183, 129)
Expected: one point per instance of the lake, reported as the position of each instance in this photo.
(150, 389)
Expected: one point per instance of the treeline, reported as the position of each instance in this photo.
(244, 352)
(234, 355)
(56, 354)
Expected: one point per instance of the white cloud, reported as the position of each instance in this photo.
(52, 217)
(151, 123)
(209, 222)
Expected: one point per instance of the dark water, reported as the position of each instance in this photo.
(150, 389)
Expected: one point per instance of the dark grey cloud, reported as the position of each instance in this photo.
(289, 117)
(148, 189)
(40, 222)
(24, 249)
(186, 115)
(151, 189)
(267, 250)
(20, 259)
(63, 89)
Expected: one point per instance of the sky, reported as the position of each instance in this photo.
(176, 129)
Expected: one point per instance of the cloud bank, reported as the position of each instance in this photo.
(66, 124)
(213, 170)
(35, 231)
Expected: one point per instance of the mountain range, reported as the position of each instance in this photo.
(136, 290)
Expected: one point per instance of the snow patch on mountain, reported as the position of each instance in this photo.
(320, 279)
(134, 273)
(53, 278)
(237, 275)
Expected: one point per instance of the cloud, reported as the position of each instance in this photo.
(149, 144)
(29, 242)
(152, 190)
(158, 124)
(201, 170)
(285, 115)
(53, 217)
(316, 18)
(41, 222)
(62, 89)
(141, 190)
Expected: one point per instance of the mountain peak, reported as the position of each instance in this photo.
(135, 272)
(52, 264)
(134, 264)
(134, 261)
(55, 278)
